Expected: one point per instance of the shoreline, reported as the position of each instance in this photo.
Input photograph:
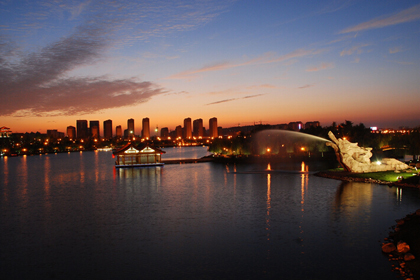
(402, 247)
(345, 176)
(406, 231)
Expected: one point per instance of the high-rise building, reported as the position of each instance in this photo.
(94, 129)
(82, 129)
(164, 133)
(213, 127)
(187, 128)
(145, 130)
(118, 131)
(198, 128)
(130, 127)
(108, 129)
(178, 131)
(71, 132)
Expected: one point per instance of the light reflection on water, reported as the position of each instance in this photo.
(71, 216)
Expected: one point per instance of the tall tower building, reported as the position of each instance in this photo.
(130, 127)
(213, 127)
(145, 131)
(164, 132)
(71, 132)
(118, 131)
(187, 128)
(108, 129)
(178, 131)
(94, 129)
(82, 129)
(198, 128)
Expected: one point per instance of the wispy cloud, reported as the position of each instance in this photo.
(353, 50)
(264, 86)
(323, 66)
(407, 15)
(395, 50)
(263, 59)
(306, 86)
(233, 99)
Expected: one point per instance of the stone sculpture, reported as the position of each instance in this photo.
(357, 159)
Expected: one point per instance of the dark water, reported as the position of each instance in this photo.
(74, 216)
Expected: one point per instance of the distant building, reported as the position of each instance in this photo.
(118, 131)
(5, 132)
(296, 126)
(178, 131)
(213, 128)
(82, 129)
(53, 133)
(198, 128)
(108, 129)
(164, 132)
(145, 130)
(94, 129)
(71, 132)
(130, 127)
(312, 124)
(187, 128)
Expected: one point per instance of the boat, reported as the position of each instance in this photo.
(142, 155)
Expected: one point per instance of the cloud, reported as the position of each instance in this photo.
(407, 15)
(355, 49)
(306, 86)
(266, 58)
(232, 99)
(395, 50)
(323, 66)
(37, 83)
(264, 86)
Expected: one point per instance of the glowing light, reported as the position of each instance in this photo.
(378, 162)
(268, 150)
(302, 149)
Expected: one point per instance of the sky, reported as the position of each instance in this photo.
(243, 62)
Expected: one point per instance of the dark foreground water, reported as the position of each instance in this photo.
(74, 216)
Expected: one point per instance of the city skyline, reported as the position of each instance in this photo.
(241, 61)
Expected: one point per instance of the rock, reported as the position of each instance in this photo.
(388, 248)
(409, 257)
(403, 247)
(400, 222)
(418, 212)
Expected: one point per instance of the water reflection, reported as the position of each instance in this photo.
(398, 192)
(268, 212)
(136, 172)
(303, 190)
(24, 179)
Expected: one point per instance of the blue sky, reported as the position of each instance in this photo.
(240, 61)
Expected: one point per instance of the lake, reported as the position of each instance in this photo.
(74, 216)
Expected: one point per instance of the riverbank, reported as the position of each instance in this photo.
(403, 179)
(407, 230)
(402, 246)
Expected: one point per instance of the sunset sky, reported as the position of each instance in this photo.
(240, 61)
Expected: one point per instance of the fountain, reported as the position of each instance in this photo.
(284, 142)
(357, 159)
